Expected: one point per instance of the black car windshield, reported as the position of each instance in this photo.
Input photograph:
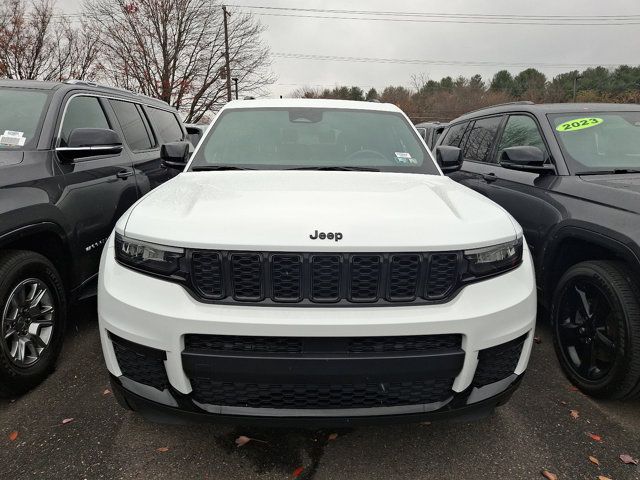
(310, 138)
(21, 113)
(593, 142)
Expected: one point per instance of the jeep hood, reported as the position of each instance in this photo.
(279, 210)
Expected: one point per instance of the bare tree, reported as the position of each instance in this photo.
(173, 50)
(36, 45)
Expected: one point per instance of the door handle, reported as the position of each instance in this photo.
(125, 172)
(489, 177)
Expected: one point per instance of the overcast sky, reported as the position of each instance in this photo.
(504, 44)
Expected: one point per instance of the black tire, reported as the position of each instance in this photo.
(595, 317)
(17, 266)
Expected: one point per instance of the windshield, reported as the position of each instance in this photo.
(309, 138)
(599, 141)
(21, 112)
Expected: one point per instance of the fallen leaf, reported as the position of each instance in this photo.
(106, 391)
(573, 388)
(594, 460)
(13, 436)
(297, 472)
(162, 449)
(628, 459)
(242, 440)
(602, 477)
(594, 437)
(538, 340)
(67, 420)
(548, 475)
(333, 436)
(425, 423)
(574, 414)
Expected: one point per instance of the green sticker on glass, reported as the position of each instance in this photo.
(579, 124)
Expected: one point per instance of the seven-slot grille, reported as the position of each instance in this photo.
(324, 277)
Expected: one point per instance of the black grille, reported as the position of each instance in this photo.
(207, 269)
(320, 396)
(499, 362)
(403, 277)
(141, 364)
(324, 278)
(246, 274)
(412, 343)
(443, 271)
(234, 343)
(286, 278)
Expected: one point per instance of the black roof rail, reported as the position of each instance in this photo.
(522, 102)
(89, 83)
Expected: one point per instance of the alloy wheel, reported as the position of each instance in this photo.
(27, 322)
(587, 329)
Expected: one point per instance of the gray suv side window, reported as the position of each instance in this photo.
(481, 138)
(165, 124)
(520, 131)
(455, 134)
(133, 126)
(82, 112)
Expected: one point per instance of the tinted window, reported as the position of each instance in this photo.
(82, 112)
(194, 135)
(314, 138)
(454, 135)
(481, 137)
(20, 113)
(520, 131)
(132, 124)
(165, 124)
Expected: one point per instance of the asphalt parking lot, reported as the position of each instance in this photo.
(534, 432)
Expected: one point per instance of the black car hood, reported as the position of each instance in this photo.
(621, 191)
(9, 157)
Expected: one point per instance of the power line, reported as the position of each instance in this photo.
(337, 58)
(438, 14)
(414, 17)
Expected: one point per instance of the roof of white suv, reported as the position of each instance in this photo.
(311, 103)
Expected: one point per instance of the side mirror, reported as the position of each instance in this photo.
(449, 158)
(525, 159)
(175, 154)
(89, 142)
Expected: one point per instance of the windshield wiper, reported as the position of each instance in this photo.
(615, 171)
(204, 168)
(338, 169)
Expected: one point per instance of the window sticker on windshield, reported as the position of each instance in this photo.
(404, 157)
(14, 139)
(578, 124)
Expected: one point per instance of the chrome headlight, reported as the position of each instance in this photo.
(148, 257)
(495, 259)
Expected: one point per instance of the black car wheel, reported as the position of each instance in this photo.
(32, 321)
(596, 325)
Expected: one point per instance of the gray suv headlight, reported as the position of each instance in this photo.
(492, 260)
(148, 257)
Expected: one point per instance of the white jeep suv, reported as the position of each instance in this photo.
(313, 263)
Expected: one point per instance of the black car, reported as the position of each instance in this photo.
(570, 175)
(74, 157)
(195, 131)
(430, 132)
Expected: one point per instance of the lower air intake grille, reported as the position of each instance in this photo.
(499, 362)
(310, 396)
(141, 364)
(352, 345)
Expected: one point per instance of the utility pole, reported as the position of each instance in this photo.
(226, 51)
(235, 80)
(575, 86)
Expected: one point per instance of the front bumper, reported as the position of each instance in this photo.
(165, 349)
